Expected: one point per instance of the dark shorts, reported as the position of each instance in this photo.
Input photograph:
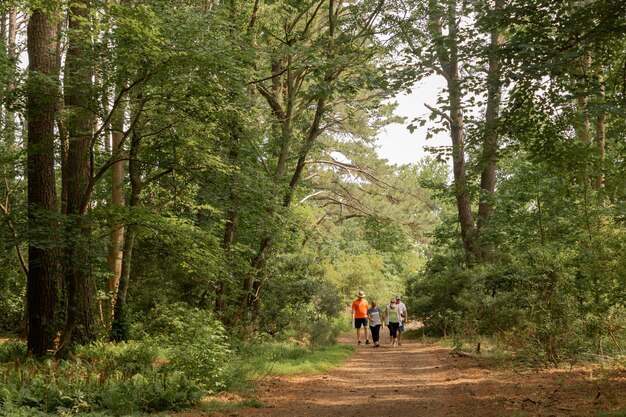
(359, 322)
(401, 327)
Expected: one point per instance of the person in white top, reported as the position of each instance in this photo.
(375, 321)
(404, 318)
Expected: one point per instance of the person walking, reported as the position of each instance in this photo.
(375, 321)
(359, 316)
(392, 318)
(404, 318)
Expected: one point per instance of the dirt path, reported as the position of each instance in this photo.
(420, 379)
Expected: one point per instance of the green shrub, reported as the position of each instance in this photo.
(148, 393)
(12, 350)
(120, 379)
(544, 303)
(127, 358)
(194, 343)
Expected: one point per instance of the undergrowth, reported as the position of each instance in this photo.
(179, 356)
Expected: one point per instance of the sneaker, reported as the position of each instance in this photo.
(367, 342)
(399, 344)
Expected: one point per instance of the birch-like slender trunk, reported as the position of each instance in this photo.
(116, 236)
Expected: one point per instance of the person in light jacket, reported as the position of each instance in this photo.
(392, 318)
(404, 319)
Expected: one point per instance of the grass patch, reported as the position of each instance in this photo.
(616, 413)
(413, 334)
(288, 358)
(226, 404)
(314, 361)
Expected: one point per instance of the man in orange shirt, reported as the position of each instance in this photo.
(359, 316)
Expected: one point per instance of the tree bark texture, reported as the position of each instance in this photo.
(3, 37)
(43, 252)
(119, 329)
(80, 125)
(491, 135)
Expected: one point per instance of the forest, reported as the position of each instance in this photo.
(191, 190)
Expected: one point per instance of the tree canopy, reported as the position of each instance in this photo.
(217, 160)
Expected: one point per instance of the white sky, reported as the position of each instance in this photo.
(395, 142)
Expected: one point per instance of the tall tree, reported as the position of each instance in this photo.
(115, 254)
(316, 48)
(444, 27)
(43, 250)
(490, 142)
(77, 173)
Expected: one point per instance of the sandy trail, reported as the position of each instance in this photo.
(419, 379)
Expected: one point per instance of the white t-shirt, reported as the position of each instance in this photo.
(401, 310)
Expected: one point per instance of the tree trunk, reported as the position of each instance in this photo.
(7, 116)
(448, 56)
(463, 202)
(11, 40)
(116, 236)
(491, 136)
(283, 112)
(231, 221)
(246, 298)
(43, 253)
(582, 122)
(601, 140)
(252, 285)
(80, 126)
(119, 329)
(457, 134)
(3, 37)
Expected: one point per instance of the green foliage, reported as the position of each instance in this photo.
(533, 301)
(12, 351)
(183, 355)
(300, 299)
(178, 260)
(549, 281)
(194, 343)
(121, 379)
